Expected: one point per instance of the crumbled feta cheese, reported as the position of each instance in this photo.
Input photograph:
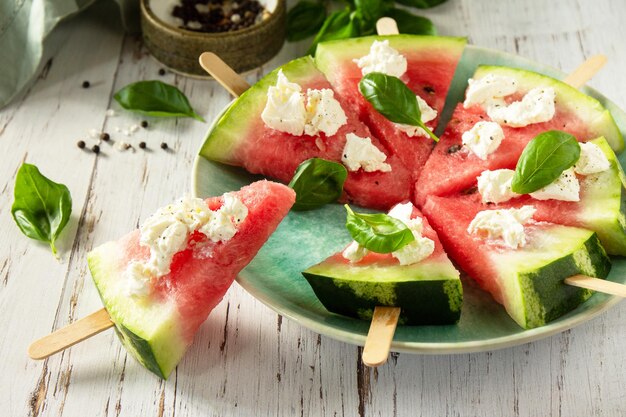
(382, 58)
(537, 106)
(361, 153)
(488, 88)
(495, 186)
(120, 145)
(134, 128)
(354, 252)
(483, 138)
(422, 247)
(94, 133)
(285, 110)
(565, 188)
(592, 160)
(323, 113)
(507, 225)
(166, 233)
(110, 113)
(427, 114)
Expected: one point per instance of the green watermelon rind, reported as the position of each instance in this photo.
(604, 205)
(532, 280)
(429, 292)
(588, 109)
(159, 348)
(233, 129)
(328, 54)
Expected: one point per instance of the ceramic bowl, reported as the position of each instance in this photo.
(243, 50)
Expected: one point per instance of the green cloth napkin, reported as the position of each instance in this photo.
(25, 24)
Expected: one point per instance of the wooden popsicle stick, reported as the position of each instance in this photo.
(585, 71)
(224, 74)
(70, 335)
(382, 329)
(387, 26)
(597, 284)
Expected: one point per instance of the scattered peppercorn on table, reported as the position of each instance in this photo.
(246, 359)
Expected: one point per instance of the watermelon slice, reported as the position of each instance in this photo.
(241, 138)
(428, 292)
(431, 62)
(451, 168)
(158, 329)
(528, 280)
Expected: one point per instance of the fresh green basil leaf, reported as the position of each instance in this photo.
(339, 25)
(544, 159)
(410, 23)
(379, 233)
(369, 11)
(393, 99)
(155, 98)
(41, 207)
(421, 4)
(304, 20)
(317, 182)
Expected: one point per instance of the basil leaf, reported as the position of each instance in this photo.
(379, 233)
(421, 4)
(544, 159)
(41, 207)
(339, 25)
(304, 20)
(369, 11)
(317, 182)
(155, 98)
(393, 99)
(410, 23)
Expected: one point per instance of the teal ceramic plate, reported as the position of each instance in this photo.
(305, 238)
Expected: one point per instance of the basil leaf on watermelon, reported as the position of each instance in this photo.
(155, 98)
(379, 233)
(421, 4)
(41, 207)
(317, 182)
(304, 20)
(544, 159)
(393, 99)
(339, 25)
(410, 23)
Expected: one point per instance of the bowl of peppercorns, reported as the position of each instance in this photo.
(244, 33)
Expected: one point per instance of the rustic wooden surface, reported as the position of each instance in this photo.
(246, 360)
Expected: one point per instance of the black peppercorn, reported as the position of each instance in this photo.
(144, 124)
(81, 144)
(163, 145)
(105, 137)
(95, 149)
(86, 84)
(161, 71)
(142, 145)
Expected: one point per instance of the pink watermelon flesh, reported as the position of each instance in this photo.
(451, 169)
(200, 275)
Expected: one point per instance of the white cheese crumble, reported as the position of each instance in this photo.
(504, 225)
(487, 89)
(483, 138)
(416, 251)
(324, 113)
(592, 160)
(361, 153)
(495, 186)
(566, 188)
(166, 233)
(354, 252)
(427, 114)
(536, 106)
(110, 113)
(422, 247)
(285, 110)
(289, 110)
(382, 58)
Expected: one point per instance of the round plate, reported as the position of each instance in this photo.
(306, 238)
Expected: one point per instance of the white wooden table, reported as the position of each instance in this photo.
(246, 360)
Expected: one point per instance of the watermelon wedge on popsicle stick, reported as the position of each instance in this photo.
(159, 283)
